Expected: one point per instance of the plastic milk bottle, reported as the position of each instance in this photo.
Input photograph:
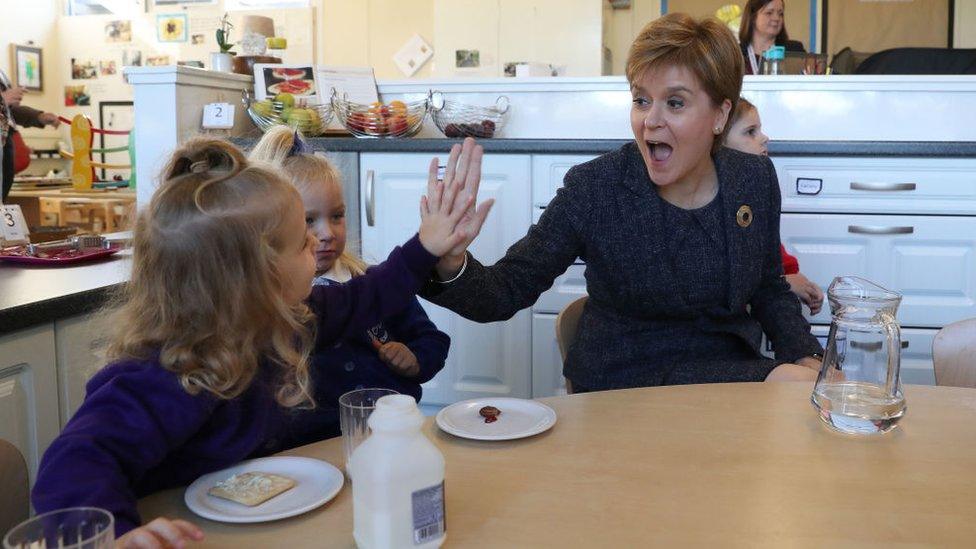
(397, 481)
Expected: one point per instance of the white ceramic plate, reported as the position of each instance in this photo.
(316, 482)
(520, 418)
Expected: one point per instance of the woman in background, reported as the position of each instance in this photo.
(763, 26)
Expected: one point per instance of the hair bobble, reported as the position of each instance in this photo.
(200, 166)
(299, 146)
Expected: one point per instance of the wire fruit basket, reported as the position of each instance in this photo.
(311, 120)
(393, 119)
(455, 119)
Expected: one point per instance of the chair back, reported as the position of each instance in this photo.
(567, 325)
(14, 485)
(954, 354)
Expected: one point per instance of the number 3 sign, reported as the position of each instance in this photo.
(14, 227)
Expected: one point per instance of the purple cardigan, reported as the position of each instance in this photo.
(139, 431)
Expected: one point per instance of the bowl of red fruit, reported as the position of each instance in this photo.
(393, 119)
(455, 119)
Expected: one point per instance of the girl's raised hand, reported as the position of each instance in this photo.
(449, 219)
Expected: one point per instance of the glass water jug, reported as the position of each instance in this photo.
(859, 387)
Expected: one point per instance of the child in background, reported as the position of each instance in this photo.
(209, 362)
(399, 353)
(745, 134)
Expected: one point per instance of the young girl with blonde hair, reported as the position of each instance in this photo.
(401, 352)
(209, 362)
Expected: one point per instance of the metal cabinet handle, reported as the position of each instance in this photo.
(873, 346)
(870, 229)
(370, 199)
(856, 186)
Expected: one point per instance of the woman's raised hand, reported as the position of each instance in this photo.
(450, 217)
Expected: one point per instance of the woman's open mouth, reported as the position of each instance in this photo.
(660, 152)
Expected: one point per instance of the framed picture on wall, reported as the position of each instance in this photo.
(171, 27)
(115, 115)
(27, 65)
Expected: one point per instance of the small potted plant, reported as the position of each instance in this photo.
(223, 60)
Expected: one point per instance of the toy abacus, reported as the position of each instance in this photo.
(83, 167)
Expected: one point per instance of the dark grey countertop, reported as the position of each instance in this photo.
(32, 295)
(599, 146)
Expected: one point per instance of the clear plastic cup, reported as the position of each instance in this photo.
(72, 528)
(354, 410)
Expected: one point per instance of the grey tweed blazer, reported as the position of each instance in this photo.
(636, 324)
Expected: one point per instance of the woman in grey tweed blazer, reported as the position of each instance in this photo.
(680, 237)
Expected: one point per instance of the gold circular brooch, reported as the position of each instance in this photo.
(744, 216)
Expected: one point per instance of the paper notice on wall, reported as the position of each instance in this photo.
(204, 25)
(356, 84)
(413, 55)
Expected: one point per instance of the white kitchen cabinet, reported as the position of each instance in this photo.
(547, 362)
(80, 347)
(930, 260)
(485, 359)
(29, 392)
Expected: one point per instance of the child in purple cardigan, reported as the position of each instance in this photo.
(214, 332)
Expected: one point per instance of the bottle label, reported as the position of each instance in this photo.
(428, 514)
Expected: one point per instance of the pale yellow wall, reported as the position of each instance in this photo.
(624, 26)
(559, 32)
(964, 30)
(466, 24)
(37, 23)
(343, 39)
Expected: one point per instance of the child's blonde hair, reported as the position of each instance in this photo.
(278, 148)
(206, 292)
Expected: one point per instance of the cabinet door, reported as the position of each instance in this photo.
(547, 362)
(930, 260)
(80, 352)
(29, 392)
(485, 359)
(548, 172)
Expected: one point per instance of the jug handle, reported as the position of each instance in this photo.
(893, 336)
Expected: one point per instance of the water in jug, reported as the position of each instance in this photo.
(859, 389)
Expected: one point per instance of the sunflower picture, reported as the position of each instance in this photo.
(171, 27)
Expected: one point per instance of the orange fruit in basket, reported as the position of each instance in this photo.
(398, 107)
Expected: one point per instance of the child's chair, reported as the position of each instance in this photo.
(567, 326)
(954, 354)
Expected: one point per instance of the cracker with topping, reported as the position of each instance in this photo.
(252, 488)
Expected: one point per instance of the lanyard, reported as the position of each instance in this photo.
(752, 59)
